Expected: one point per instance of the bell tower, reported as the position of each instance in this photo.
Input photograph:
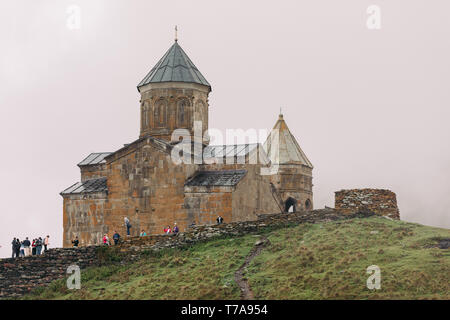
(293, 180)
(174, 94)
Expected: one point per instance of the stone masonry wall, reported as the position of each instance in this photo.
(380, 201)
(20, 276)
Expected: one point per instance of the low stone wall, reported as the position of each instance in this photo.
(20, 276)
(380, 201)
(205, 232)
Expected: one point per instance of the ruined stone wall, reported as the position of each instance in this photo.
(380, 201)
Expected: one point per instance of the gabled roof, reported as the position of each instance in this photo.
(233, 150)
(216, 178)
(243, 153)
(94, 158)
(287, 149)
(174, 66)
(88, 186)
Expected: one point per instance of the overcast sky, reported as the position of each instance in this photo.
(370, 107)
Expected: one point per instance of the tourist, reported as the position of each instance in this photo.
(167, 230)
(219, 219)
(26, 245)
(75, 242)
(175, 229)
(106, 240)
(116, 238)
(39, 246)
(13, 246)
(46, 243)
(142, 234)
(22, 249)
(33, 247)
(127, 224)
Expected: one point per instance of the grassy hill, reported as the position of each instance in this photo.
(309, 261)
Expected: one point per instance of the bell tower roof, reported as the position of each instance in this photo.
(288, 147)
(174, 66)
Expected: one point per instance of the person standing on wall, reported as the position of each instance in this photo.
(22, 249)
(26, 245)
(46, 243)
(175, 229)
(106, 240)
(17, 248)
(13, 246)
(116, 238)
(75, 242)
(39, 246)
(219, 220)
(33, 247)
(127, 224)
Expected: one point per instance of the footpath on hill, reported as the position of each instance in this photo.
(20, 276)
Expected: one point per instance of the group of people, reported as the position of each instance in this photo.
(174, 231)
(116, 237)
(29, 248)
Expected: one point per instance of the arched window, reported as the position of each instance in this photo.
(160, 113)
(290, 205)
(145, 114)
(308, 204)
(183, 113)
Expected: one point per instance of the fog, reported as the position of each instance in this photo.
(369, 107)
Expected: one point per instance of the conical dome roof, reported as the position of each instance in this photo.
(289, 151)
(174, 66)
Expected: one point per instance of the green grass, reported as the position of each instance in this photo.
(329, 261)
(319, 261)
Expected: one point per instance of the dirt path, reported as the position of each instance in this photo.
(246, 291)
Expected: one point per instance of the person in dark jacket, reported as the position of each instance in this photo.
(39, 246)
(116, 238)
(75, 242)
(33, 247)
(26, 245)
(17, 248)
(175, 229)
(13, 247)
(219, 220)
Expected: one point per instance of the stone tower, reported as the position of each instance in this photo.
(293, 181)
(174, 94)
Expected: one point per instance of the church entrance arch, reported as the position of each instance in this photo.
(290, 205)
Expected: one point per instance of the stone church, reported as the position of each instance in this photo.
(142, 182)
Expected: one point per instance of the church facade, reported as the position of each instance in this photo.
(142, 181)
